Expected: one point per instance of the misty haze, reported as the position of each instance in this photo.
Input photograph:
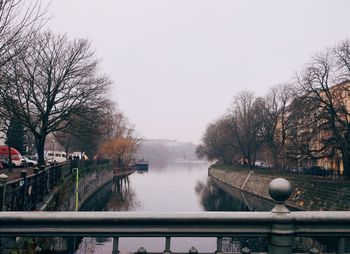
(195, 126)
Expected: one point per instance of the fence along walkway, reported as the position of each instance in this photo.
(26, 192)
(280, 226)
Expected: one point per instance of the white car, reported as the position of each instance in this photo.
(30, 163)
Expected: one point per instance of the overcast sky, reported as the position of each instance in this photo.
(176, 65)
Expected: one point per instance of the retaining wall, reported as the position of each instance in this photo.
(89, 182)
(308, 193)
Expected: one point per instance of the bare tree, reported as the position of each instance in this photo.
(18, 21)
(277, 122)
(218, 142)
(325, 89)
(246, 122)
(49, 81)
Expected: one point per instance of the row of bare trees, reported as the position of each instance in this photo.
(295, 123)
(52, 84)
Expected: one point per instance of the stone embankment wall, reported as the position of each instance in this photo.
(309, 193)
(89, 182)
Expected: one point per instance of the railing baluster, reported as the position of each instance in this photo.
(245, 250)
(314, 251)
(141, 250)
(167, 245)
(193, 250)
(218, 245)
(115, 245)
(341, 245)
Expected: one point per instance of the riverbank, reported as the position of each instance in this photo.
(309, 193)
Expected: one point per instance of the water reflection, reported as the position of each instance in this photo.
(117, 195)
(217, 196)
(166, 188)
(215, 199)
(176, 187)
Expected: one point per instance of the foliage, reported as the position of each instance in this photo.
(121, 150)
(24, 245)
(219, 142)
(91, 126)
(16, 136)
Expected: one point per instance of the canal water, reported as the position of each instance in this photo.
(176, 187)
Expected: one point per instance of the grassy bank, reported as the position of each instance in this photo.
(275, 173)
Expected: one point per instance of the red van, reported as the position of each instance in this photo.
(16, 157)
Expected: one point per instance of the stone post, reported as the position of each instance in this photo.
(167, 249)
(218, 245)
(282, 236)
(115, 245)
(3, 180)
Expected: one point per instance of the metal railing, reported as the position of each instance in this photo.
(26, 192)
(279, 226)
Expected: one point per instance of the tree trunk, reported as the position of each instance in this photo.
(249, 159)
(40, 145)
(346, 163)
(276, 164)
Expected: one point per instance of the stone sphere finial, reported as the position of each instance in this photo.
(280, 190)
(3, 178)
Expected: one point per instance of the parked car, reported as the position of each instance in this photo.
(293, 169)
(317, 171)
(30, 163)
(55, 157)
(262, 164)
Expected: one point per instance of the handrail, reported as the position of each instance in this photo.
(279, 226)
(131, 224)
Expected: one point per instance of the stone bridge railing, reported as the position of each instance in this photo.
(36, 191)
(279, 227)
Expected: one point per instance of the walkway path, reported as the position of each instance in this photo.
(16, 172)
